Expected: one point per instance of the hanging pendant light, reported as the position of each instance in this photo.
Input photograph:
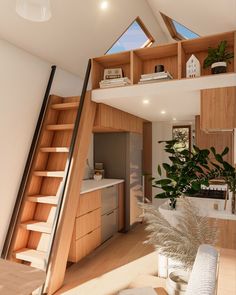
(34, 10)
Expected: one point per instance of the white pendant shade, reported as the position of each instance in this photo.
(34, 10)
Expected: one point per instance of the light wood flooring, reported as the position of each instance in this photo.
(124, 261)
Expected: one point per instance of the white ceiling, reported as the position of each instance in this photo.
(178, 105)
(77, 30)
(204, 17)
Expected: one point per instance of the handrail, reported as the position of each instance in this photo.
(28, 165)
(67, 168)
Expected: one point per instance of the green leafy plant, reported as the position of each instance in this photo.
(226, 172)
(188, 171)
(218, 54)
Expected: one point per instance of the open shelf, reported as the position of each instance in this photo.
(145, 60)
(199, 47)
(173, 56)
(118, 60)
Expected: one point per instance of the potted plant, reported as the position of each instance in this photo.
(226, 172)
(185, 174)
(218, 58)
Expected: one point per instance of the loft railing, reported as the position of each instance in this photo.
(28, 165)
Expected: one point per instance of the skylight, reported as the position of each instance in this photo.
(136, 36)
(183, 31)
(177, 30)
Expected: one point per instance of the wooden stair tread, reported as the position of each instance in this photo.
(60, 127)
(49, 173)
(53, 200)
(31, 255)
(54, 149)
(65, 106)
(38, 226)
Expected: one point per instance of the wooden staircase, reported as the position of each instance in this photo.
(43, 231)
(35, 224)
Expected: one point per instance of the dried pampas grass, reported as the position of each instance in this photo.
(181, 242)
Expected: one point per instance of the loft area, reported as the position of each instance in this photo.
(136, 36)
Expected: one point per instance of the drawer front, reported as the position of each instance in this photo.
(109, 198)
(109, 225)
(87, 223)
(89, 202)
(85, 245)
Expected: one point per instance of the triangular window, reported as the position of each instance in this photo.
(177, 30)
(136, 36)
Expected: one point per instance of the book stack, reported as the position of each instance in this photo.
(155, 77)
(108, 83)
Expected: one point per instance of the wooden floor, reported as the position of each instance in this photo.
(125, 261)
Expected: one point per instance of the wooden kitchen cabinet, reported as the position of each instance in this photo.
(87, 229)
(89, 202)
(218, 140)
(218, 107)
(87, 234)
(109, 119)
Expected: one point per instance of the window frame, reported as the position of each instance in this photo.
(171, 28)
(149, 42)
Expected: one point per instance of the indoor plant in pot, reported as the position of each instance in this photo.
(186, 173)
(226, 172)
(218, 58)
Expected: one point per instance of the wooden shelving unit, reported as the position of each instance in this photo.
(173, 56)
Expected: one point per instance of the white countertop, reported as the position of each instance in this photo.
(93, 185)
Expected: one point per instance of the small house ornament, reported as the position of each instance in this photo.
(193, 67)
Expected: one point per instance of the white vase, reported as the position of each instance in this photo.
(162, 266)
(177, 282)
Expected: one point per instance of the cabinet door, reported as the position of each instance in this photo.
(218, 108)
(89, 202)
(84, 246)
(87, 223)
(109, 196)
(218, 140)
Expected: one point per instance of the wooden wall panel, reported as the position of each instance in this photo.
(109, 119)
(219, 140)
(218, 107)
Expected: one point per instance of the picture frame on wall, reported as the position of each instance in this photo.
(183, 135)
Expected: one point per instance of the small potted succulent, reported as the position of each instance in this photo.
(218, 58)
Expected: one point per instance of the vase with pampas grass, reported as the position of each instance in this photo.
(180, 242)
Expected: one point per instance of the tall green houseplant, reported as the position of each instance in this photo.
(189, 170)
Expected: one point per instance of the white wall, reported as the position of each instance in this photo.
(162, 131)
(23, 80)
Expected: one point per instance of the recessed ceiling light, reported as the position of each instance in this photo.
(163, 112)
(174, 119)
(146, 101)
(104, 5)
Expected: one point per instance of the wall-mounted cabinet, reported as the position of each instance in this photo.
(173, 56)
(219, 140)
(109, 119)
(218, 107)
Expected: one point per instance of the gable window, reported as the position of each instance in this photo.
(177, 30)
(136, 36)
